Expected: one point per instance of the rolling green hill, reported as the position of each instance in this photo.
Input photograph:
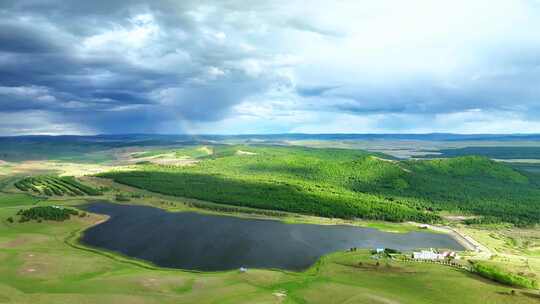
(347, 184)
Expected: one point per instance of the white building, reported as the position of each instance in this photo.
(432, 255)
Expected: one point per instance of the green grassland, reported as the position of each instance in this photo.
(39, 264)
(513, 250)
(149, 153)
(54, 185)
(347, 184)
(17, 200)
(190, 151)
(42, 262)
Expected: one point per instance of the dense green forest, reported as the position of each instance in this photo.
(347, 184)
(54, 185)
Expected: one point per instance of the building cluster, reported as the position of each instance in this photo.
(433, 255)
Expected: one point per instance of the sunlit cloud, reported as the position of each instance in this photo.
(280, 66)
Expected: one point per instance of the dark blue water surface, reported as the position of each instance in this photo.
(196, 241)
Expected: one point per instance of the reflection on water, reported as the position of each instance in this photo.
(210, 242)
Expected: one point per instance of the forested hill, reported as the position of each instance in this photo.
(346, 183)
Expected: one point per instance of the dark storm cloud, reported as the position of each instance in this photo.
(104, 58)
(21, 39)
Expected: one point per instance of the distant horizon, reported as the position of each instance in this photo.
(272, 134)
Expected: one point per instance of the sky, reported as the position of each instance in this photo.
(280, 66)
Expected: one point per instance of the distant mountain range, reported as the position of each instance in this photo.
(164, 139)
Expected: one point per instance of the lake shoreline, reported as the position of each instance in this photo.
(231, 242)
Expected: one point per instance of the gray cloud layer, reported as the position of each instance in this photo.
(237, 66)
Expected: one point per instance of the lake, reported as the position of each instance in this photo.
(196, 241)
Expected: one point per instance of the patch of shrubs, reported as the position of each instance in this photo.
(223, 208)
(122, 198)
(387, 251)
(482, 220)
(498, 275)
(104, 189)
(48, 213)
(55, 186)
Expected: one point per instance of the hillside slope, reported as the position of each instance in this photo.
(347, 184)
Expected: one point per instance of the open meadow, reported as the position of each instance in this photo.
(39, 264)
(43, 261)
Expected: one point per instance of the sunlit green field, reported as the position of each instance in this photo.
(38, 265)
(16, 199)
